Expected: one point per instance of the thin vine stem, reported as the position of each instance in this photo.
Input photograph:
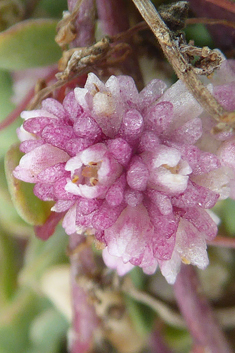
(198, 314)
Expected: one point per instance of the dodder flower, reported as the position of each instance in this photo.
(137, 170)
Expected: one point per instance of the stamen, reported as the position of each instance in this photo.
(75, 179)
(94, 181)
(99, 245)
(173, 170)
(185, 261)
(96, 87)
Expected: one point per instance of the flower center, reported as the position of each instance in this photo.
(90, 173)
(173, 170)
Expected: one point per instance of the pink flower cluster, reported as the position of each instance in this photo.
(137, 170)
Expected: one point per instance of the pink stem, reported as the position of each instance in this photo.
(114, 19)
(157, 343)
(16, 112)
(113, 16)
(225, 4)
(85, 320)
(223, 242)
(84, 24)
(82, 261)
(48, 228)
(23, 105)
(198, 314)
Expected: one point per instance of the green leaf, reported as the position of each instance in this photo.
(199, 34)
(7, 268)
(29, 44)
(142, 316)
(8, 135)
(39, 255)
(179, 340)
(10, 221)
(16, 319)
(33, 210)
(47, 331)
(53, 8)
(138, 278)
(228, 215)
(5, 94)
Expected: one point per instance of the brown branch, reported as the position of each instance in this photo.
(66, 31)
(45, 92)
(78, 61)
(183, 69)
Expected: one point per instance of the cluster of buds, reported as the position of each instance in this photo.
(138, 170)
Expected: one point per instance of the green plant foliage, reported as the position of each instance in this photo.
(142, 316)
(47, 331)
(51, 9)
(179, 340)
(40, 255)
(29, 44)
(30, 324)
(7, 268)
(199, 34)
(228, 214)
(8, 135)
(15, 321)
(5, 94)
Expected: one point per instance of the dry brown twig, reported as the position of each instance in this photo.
(79, 61)
(66, 31)
(184, 70)
(208, 61)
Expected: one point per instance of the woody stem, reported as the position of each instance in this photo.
(183, 69)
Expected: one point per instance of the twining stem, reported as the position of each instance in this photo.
(209, 21)
(82, 260)
(24, 103)
(183, 69)
(16, 112)
(85, 321)
(198, 314)
(84, 21)
(113, 16)
(222, 241)
(225, 4)
(114, 19)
